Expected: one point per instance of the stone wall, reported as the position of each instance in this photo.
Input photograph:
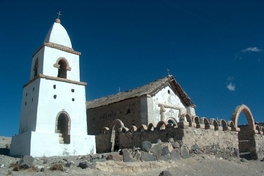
(190, 138)
(127, 111)
(194, 134)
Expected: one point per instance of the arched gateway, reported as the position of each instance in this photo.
(246, 133)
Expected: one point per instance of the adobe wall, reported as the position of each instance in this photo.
(195, 135)
(259, 139)
(224, 140)
(127, 111)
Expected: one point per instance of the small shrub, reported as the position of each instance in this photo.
(44, 159)
(57, 166)
(15, 166)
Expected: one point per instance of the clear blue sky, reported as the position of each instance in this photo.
(213, 48)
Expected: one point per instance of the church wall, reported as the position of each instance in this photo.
(191, 111)
(165, 96)
(30, 143)
(56, 97)
(80, 145)
(128, 111)
(38, 56)
(146, 109)
(50, 57)
(29, 107)
(20, 144)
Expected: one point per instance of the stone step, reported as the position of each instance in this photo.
(61, 140)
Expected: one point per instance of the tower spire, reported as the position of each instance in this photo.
(58, 19)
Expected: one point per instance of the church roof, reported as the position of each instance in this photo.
(58, 35)
(149, 89)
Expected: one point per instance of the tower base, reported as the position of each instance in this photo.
(37, 144)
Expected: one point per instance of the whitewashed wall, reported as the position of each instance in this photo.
(168, 97)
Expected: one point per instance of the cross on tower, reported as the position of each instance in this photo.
(59, 14)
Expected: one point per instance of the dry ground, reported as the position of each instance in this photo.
(198, 165)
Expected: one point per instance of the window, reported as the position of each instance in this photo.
(35, 69)
(62, 70)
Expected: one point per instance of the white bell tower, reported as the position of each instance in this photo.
(53, 114)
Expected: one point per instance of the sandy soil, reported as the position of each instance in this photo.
(199, 165)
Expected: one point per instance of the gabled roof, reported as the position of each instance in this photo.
(149, 89)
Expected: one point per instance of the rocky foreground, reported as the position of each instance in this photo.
(196, 165)
(151, 159)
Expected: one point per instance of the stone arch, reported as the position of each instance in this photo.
(105, 130)
(243, 108)
(188, 118)
(172, 120)
(116, 126)
(223, 124)
(63, 127)
(161, 125)
(63, 66)
(117, 122)
(142, 128)
(206, 122)
(195, 119)
(151, 127)
(231, 125)
(246, 133)
(124, 129)
(169, 125)
(214, 123)
(133, 128)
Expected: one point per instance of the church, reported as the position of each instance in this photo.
(160, 100)
(53, 111)
(55, 118)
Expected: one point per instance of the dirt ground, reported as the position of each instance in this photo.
(198, 165)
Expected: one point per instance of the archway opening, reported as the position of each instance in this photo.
(62, 70)
(246, 134)
(114, 138)
(63, 128)
(246, 142)
(172, 122)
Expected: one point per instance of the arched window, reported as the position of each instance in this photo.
(62, 70)
(35, 69)
(63, 66)
(63, 125)
(172, 121)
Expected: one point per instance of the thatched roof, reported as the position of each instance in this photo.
(149, 89)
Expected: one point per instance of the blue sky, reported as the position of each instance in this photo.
(213, 48)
